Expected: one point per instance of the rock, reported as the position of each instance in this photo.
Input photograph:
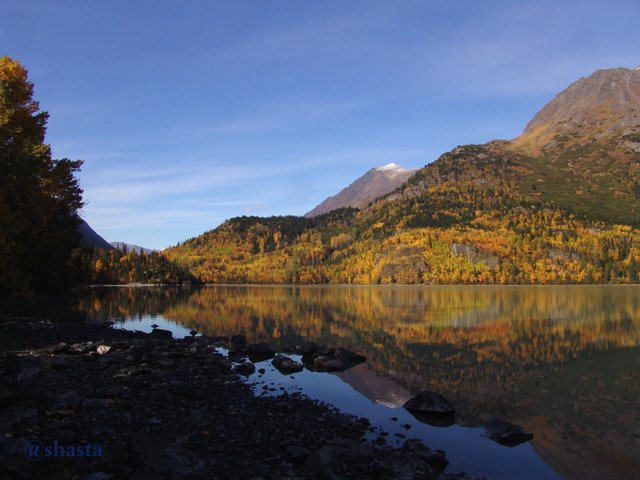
(331, 360)
(260, 351)
(435, 458)
(286, 365)
(28, 374)
(57, 349)
(458, 476)
(66, 400)
(161, 333)
(506, 433)
(80, 348)
(246, 368)
(311, 353)
(98, 476)
(109, 391)
(431, 408)
(297, 454)
(102, 349)
(16, 414)
(239, 342)
(95, 403)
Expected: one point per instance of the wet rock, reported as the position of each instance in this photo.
(435, 458)
(260, 351)
(286, 365)
(330, 360)
(246, 368)
(506, 433)
(161, 333)
(431, 408)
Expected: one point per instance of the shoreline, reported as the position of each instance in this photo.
(165, 408)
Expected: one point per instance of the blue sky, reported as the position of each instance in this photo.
(187, 113)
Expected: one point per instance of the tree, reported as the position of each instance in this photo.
(39, 196)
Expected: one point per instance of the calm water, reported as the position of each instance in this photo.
(561, 361)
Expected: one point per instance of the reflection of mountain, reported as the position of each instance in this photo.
(376, 387)
(557, 360)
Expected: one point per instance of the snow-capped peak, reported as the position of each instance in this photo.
(392, 166)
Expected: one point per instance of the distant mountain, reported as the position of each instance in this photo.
(131, 248)
(373, 184)
(90, 237)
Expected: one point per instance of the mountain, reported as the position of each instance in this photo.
(129, 247)
(558, 204)
(373, 184)
(599, 108)
(90, 237)
(580, 153)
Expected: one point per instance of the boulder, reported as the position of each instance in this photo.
(331, 360)
(80, 348)
(246, 368)
(239, 342)
(506, 433)
(431, 408)
(161, 333)
(261, 351)
(286, 365)
(102, 349)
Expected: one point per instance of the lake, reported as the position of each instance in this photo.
(563, 362)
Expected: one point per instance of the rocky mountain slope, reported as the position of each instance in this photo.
(90, 237)
(373, 184)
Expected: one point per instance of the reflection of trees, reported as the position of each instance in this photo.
(484, 341)
(514, 352)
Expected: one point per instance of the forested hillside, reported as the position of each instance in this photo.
(560, 204)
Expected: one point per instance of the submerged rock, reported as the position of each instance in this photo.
(506, 433)
(286, 365)
(431, 408)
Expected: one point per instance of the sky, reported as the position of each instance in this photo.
(187, 113)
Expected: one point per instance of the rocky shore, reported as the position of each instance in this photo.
(90, 402)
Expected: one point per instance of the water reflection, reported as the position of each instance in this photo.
(560, 361)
